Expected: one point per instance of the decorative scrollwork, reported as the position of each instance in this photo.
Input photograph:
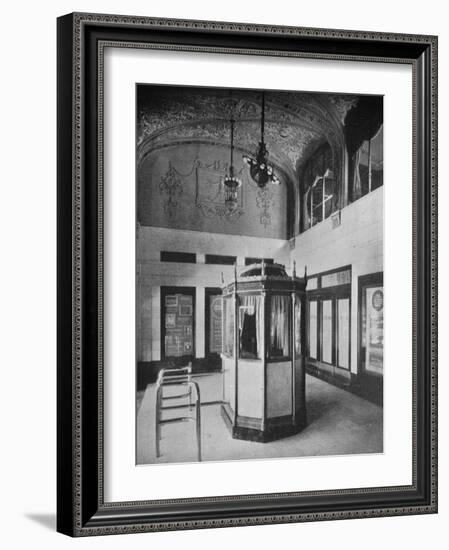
(210, 211)
(171, 185)
(264, 201)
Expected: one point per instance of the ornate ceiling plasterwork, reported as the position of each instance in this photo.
(285, 143)
(342, 103)
(294, 122)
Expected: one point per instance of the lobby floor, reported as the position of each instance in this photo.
(339, 423)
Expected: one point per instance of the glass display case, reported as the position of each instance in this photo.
(263, 366)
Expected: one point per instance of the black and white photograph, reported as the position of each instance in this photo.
(259, 274)
(222, 285)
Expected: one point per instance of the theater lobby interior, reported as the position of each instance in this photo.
(259, 305)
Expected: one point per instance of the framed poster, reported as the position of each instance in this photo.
(246, 216)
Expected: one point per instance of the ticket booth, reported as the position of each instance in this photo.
(263, 364)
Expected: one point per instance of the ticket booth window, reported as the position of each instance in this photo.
(250, 327)
(280, 318)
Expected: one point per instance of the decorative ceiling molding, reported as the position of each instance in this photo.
(295, 122)
(342, 103)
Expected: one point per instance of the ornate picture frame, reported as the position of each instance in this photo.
(81, 507)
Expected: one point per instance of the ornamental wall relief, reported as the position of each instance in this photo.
(265, 202)
(172, 186)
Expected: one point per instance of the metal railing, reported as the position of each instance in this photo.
(181, 377)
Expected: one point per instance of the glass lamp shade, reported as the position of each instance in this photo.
(231, 185)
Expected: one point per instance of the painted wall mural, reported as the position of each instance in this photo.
(181, 187)
(209, 191)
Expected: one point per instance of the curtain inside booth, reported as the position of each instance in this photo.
(250, 327)
(298, 342)
(279, 344)
(228, 326)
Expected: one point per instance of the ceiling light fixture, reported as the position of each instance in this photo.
(261, 172)
(230, 181)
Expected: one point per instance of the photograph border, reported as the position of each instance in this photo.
(81, 510)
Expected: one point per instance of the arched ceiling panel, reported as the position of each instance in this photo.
(295, 122)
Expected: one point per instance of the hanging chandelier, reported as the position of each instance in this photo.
(261, 172)
(230, 181)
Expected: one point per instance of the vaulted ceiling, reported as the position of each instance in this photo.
(295, 122)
